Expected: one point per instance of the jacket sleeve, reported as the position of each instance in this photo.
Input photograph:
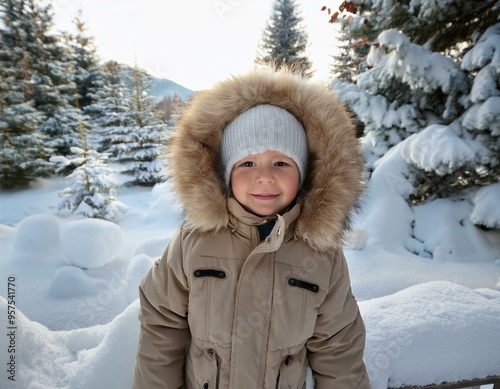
(164, 330)
(335, 351)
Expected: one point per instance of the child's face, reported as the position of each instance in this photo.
(265, 183)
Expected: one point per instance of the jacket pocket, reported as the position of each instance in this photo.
(303, 284)
(210, 303)
(292, 371)
(297, 299)
(202, 368)
(210, 273)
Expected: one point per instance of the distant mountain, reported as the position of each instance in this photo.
(162, 87)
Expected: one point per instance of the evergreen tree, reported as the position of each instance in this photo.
(22, 153)
(109, 112)
(447, 28)
(92, 192)
(83, 56)
(62, 129)
(284, 40)
(21, 145)
(451, 29)
(49, 69)
(347, 63)
(144, 141)
(46, 58)
(441, 98)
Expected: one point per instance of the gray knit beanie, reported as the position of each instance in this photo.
(261, 128)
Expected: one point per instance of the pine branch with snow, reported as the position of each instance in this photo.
(92, 192)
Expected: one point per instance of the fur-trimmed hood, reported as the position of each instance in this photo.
(335, 168)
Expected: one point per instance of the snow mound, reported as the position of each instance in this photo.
(454, 238)
(420, 335)
(70, 281)
(6, 230)
(7, 235)
(49, 356)
(486, 211)
(40, 365)
(151, 247)
(111, 364)
(91, 243)
(136, 270)
(165, 203)
(37, 239)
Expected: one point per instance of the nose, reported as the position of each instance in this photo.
(265, 175)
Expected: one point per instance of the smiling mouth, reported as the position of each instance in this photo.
(265, 196)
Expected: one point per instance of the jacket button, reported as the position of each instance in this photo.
(211, 352)
(292, 281)
(222, 274)
(197, 273)
(205, 385)
(288, 359)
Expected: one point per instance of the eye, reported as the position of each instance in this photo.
(247, 164)
(281, 163)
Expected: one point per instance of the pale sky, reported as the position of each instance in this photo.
(192, 42)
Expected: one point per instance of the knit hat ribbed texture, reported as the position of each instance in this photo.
(261, 128)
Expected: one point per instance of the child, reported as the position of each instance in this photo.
(254, 288)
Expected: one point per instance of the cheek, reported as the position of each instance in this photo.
(293, 181)
(293, 186)
(238, 182)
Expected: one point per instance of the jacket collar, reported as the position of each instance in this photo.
(245, 224)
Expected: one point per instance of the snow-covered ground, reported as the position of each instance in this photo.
(427, 281)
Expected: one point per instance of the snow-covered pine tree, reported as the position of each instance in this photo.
(85, 63)
(62, 129)
(482, 118)
(109, 112)
(140, 152)
(350, 59)
(346, 64)
(450, 27)
(284, 40)
(22, 157)
(92, 191)
(50, 73)
(22, 153)
(442, 95)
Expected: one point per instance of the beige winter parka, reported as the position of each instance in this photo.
(222, 309)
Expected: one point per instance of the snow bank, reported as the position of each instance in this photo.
(91, 243)
(441, 229)
(37, 240)
(420, 335)
(417, 336)
(151, 247)
(454, 237)
(136, 270)
(45, 358)
(71, 281)
(111, 364)
(486, 210)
